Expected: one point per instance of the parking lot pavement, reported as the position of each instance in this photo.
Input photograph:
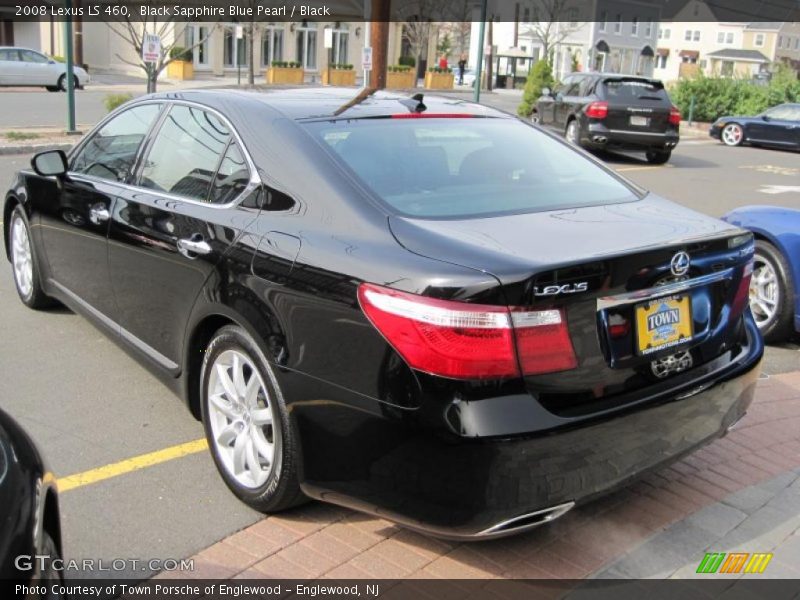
(740, 494)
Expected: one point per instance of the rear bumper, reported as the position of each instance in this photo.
(597, 135)
(382, 462)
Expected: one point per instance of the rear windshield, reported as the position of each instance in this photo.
(461, 168)
(628, 90)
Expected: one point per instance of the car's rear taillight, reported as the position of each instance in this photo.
(674, 116)
(467, 341)
(596, 110)
(742, 295)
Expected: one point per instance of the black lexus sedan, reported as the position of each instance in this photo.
(421, 308)
(600, 111)
(30, 529)
(778, 127)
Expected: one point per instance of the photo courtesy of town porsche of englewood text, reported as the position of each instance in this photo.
(400, 299)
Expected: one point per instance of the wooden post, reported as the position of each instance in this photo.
(379, 40)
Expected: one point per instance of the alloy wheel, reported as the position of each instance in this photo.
(732, 134)
(22, 256)
(572, 132)
(244, 426)
(765, 292)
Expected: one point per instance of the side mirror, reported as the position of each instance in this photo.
(50, 163)
(546, 91)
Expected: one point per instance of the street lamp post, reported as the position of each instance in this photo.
(70, 71)
(479, 66)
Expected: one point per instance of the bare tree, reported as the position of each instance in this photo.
(552, 22)
(419, 25)
(133, 33)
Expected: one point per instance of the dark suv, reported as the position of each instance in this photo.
(605, 110)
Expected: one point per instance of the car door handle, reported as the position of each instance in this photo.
(98, 214)
(193, 246)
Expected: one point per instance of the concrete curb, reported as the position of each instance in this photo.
(32, 148)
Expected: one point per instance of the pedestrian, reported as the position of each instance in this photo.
(462, 66)
(443, 62)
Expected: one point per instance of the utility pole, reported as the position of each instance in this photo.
(479, 67)
(70, 72)
(379, 40)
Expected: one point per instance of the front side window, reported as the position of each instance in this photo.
(466, 168)
(111, 152)
(185, 154)
(33, 57)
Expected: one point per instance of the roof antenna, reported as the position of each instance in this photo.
(417, 105)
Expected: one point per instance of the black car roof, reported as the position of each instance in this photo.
(330, 102)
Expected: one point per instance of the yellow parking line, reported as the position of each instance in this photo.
(131, 464)
(643, 168)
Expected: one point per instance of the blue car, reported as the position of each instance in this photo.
(775, 286)
(778, 126)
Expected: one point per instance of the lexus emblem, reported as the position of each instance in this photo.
(679, 265)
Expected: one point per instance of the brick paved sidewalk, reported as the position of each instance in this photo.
(740, 493)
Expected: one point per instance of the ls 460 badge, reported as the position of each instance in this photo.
(555, 290)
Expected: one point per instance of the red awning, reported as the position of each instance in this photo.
(662, 51)
(689, 53)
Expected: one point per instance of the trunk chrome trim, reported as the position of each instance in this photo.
(669, 289)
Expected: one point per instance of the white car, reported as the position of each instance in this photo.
(22, 66)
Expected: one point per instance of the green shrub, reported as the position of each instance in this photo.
(181, 53)
(539, 77)
(398, 68)
(715, 97)
(20, 136)
(408, 61)
(112, 101)
(439, 70)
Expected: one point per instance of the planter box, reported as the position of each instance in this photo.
(338, 77)
(401, 80)
(438, 81)
(285, 75)
(180, 69)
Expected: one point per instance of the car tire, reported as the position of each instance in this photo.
(52, 88)
(247, 424)
(48, 576)
(658, 157)
(62, 83)
(25, 263)
(770, 296)
(732, 134)
(572, 133)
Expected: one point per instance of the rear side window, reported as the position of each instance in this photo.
(186, 154)
(462, 168)
(9, 55)
(631, 91)
(111, 152)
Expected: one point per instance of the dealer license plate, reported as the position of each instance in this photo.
(640, 121)
(663, 323)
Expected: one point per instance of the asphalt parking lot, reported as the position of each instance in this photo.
(90, 406)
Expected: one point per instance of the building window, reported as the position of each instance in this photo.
(234, 51)
(729, 37)
(688, 35)
(197, 33)
(696, 36)
(721, 37)
(618, 24)
(603, 20)
(780, 41)
(797, 43)
(727, 68)
(661, 61)
(635, 26)
(340, 45)
(307, 46)
(271, 45)
(648, 29)
(664, 34)
(759, 41)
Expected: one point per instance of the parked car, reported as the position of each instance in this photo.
(25, 67)
(775, 287)
(420, 308)
(30, 527)
(469, 77)
(611, 111)
(778, 126)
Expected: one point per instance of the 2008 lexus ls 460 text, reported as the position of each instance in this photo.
(419, 307)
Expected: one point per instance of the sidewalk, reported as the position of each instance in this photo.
(741, 493)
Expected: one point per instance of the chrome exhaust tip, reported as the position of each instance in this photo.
(600, 139)
(526, 521)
